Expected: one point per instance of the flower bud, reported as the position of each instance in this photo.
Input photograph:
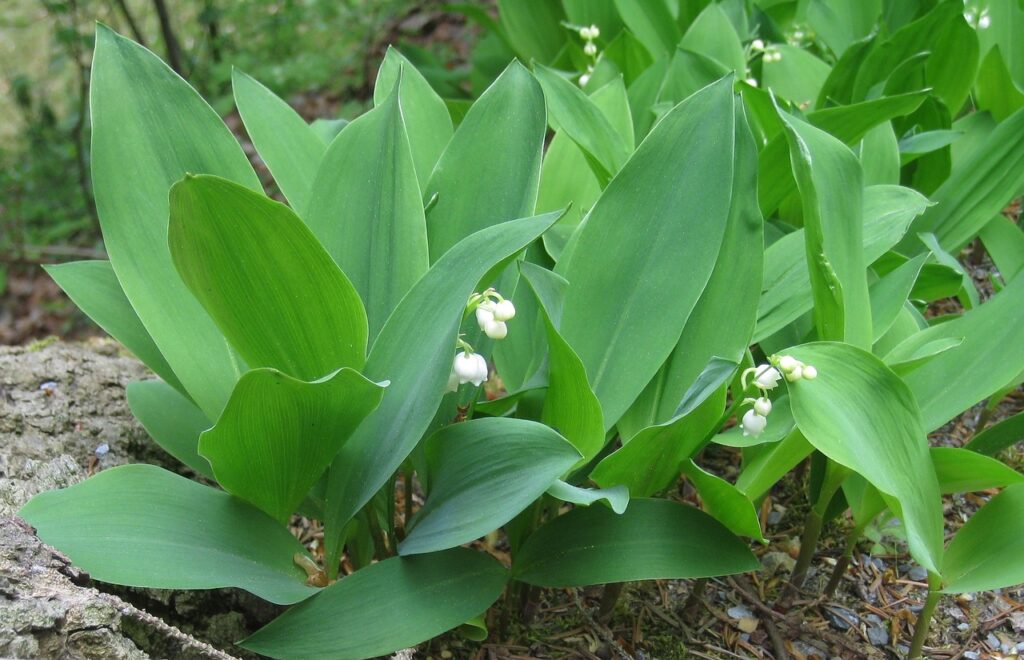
(585, 33)
(753, 424)
(766, 377)
(757, 44)
(496, 329)
(810, 373)
(590, 49)
(584, 79)
(504, 311)
(763, 406)
(788, 363)
(984, 22)
(595, 32)
(796, 374)
(752, 82)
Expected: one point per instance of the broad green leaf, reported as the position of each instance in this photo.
(854, 401)
(277, 434)
(490, 170)
(1005, 26)
(570, 406)
(956, 379)
(998, 437)
(628, 54)
(424, 113)
(890, 293)
(643, 93)
(725, 502)
(839, 23)
(1004, 241)
(573, 113)
(93, 286)
(731, 293)
(712, 35)
(764, 465)
(995, 89)
(150, 129)
(926, 142)
(171, 420)
(968, 292)
(328, 129)
(796, 77)
(848, 123)
(287, 144)
(617, 497)
(614, 316)
(888, 211)
(258, 270)
(652, 23)
(142, 526)
(978, 188)
(879, 154)
(414, 351)
(367, 211)
(689, 72)
(951, 64)
(904, 364)
(829, 179)
(650, 460)
(985, 553)
(483, 473)
(534, 27)
(652, 540)
(965, 471)
(413, 599)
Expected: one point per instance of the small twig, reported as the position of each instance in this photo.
(603, 632)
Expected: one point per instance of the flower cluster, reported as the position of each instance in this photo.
(492, 311)
(589, 34)
(766, 377)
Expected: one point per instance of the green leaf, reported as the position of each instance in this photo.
(764, 465)
(998, 437)
(904, 364)
(491, 169)
(712, 35)
(614, 316)
(888, 211)
(968, 292)
(414, 351)
(985, 553)
(171, 420)
(617, 497)
(797, 77)
(725, 502)
(483, 473)
(854, 401)
(652, 23)
(426, 117)
(848, 124)
(890, 293)
(93, 286)
(1004, 241)
(149, 129)
(570, 406)
(731, 293)
(534, 28)
(573, 113)
(287, 144)
(413, 600)
(995, 89)
(839, 23)
(136, 525)
(367, 210)
(652, 540)
(276, 294)
(277, 434)
(965, 471)
(830, 182)
(978, 188)
(956, 379)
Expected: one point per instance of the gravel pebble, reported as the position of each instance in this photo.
(878, 635)
(918, 574)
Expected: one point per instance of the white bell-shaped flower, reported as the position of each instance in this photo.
(763, 406)
(470, 368)
(485, 314)
(496, 329)
(453, 382)
(504, 311)
(753, 424)
(766, 377)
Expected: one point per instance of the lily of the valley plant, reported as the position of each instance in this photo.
(541, 334)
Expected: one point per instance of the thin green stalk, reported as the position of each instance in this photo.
(844, 562)
(924, 619)
(808, 543)
(609, 598)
